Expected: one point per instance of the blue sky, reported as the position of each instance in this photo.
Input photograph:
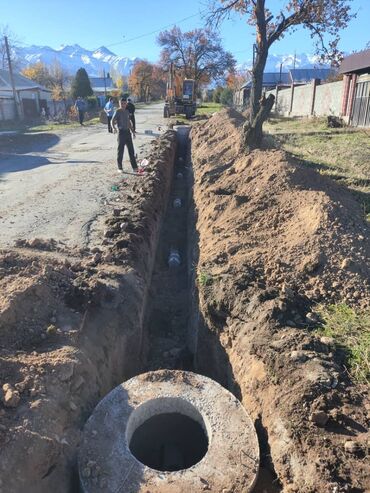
(93, 23)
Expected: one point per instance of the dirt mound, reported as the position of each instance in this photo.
(71, 328)
(275, 238)
(286, 224)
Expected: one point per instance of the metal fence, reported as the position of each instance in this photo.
(361, 105)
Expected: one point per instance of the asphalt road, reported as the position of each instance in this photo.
(56, 185)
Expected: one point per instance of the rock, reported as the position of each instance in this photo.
(108, 257)
(319, 418)
(117, 212)
(298, 356)
(351, 447)
(95, 250)
(51, 330)
(312, 318)
(11, 397)
(123, 226)
(347, 262)
(97, 257)
(329, 341)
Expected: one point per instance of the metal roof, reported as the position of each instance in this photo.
(21, 83)
(98, 82)
(305, 75)
(299, 75)
(356, 62)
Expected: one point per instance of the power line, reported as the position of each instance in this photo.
(157, 30)
(140, 35)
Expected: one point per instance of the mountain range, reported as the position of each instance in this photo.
(73, 57)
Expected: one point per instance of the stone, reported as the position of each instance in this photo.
(312, 318)
(319, 418)
(351, 447)
(11, 398)
(329, 341)
(347, 262)
(298, 356)
(117, 212)
(51, 330)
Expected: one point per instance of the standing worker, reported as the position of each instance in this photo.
(121, 118)
(109, 110)
(131, 110)
(81, 108)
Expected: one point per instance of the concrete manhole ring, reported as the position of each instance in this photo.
(169, 432)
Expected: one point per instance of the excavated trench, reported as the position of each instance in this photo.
(172, 325)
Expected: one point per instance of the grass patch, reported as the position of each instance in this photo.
(208, 108)
(350, 330)
(205, 279)
(343, 154)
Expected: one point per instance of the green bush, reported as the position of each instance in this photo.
(91, 103)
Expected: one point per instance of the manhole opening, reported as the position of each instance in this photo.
(167, 434)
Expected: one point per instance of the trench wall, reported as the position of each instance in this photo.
(107, 349)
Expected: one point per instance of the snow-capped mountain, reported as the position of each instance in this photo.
(302, 60)
(73, 57)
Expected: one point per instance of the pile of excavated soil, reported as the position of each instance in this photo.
(71, 328)
(275, 238)
(282, 223)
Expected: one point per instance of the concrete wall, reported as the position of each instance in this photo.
(328, 100)
(302, 100)
(310, 100)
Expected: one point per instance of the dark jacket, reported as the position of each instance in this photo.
(131, 108)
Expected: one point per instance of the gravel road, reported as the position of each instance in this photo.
(57, 185)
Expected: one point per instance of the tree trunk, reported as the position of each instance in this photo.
(257, 81)
(253, 130)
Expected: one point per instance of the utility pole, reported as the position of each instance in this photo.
(105, 84)
(11, 78)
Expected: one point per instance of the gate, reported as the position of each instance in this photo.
(361, 105)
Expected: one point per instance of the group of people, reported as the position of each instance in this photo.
(120, 121)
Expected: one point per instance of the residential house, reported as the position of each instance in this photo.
(30, 97)
(101, 87)
(356, 88)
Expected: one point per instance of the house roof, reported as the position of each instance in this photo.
(21, 83)
(298, 75)
(271, 79)
(356, 62)
(306, 74)
(97, 83)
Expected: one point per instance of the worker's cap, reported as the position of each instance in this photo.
(124, 99)
(129, 100)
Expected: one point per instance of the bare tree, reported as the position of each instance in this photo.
(13, 43)
(198, 53)
(323, 18)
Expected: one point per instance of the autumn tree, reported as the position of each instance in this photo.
(40, 73)
(60, 80)
(81, 85)
(322, 18)
(198, 54)
(147, 81)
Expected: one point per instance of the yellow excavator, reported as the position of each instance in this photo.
(180, 95)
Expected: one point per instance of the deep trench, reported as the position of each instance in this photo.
(173, 322)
